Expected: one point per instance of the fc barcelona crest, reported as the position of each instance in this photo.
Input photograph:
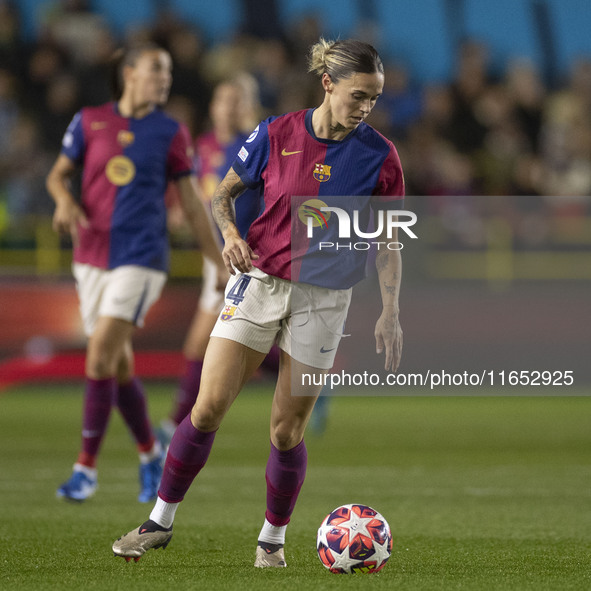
(228, 312)
(322, 172)
(125, 138)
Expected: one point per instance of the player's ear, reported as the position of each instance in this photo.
(327, 82)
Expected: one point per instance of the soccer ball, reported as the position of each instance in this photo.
(354, 539)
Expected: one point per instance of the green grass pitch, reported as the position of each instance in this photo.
(481, 494)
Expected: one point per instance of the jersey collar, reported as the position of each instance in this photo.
(310, 130)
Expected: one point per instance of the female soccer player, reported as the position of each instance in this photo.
(279, 294)
(128, 151)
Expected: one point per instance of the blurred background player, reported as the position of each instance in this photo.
(233, 112)
(128, 150)
(288, 156)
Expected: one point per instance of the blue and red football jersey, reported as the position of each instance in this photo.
(294, 168)
(127, 164)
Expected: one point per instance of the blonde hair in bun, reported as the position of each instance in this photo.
(342, 59)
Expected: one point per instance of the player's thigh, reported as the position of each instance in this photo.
(293, 402)
(227, 366)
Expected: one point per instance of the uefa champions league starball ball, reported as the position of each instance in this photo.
(354, 539)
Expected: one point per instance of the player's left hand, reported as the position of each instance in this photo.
(388, 335)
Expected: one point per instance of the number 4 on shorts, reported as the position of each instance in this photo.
(236, 294)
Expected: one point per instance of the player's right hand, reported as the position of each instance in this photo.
(238, 256)
(68, 214)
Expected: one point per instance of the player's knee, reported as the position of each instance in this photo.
(100, 365)
(286, 436)
(99, 369)
(206, 418)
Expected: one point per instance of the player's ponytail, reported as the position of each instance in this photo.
(342, 59)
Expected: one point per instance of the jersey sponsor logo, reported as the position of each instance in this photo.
(284, 152)
(310, 213)
(96, 125)
(253, 135)
(322, 172)
(125, 138)
(120, 170)
(243, 154)
(228, 312)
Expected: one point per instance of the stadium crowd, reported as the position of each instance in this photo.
(482, 133)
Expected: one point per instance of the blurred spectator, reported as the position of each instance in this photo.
(526, 91)
(261, 19)
(401, 102)
(11, 48)
(46, 60)
(23, 166)
(94, 77)
(566, 136)
(271, 68)
(186, 47)
(75, 28)
(465, 130)
(9, 108)
(62, 98)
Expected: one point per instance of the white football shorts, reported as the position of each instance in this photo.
(211, 300)
(126, 292)
(306, 321)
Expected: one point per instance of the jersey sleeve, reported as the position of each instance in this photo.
(180, 154)
(73, 145)
(390, 185)
(252, 158)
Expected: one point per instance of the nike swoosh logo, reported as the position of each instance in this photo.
(284, 153)
(98, 125)
(123, 300)
(323, 350)
(90, 434)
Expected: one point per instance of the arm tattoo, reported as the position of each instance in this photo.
(381, 261)
(391, 289)
(222, 205)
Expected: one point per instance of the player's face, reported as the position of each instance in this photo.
(151, 77)
(226, 107)
(353, 98)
